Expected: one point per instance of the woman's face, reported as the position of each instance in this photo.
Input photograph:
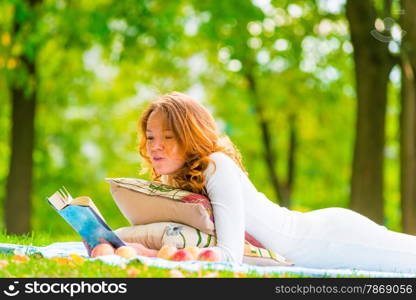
(162, 145)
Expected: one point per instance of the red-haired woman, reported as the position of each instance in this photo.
(183, 148)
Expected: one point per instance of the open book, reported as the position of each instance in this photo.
(82, 214)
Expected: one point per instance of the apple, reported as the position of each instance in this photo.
(166, 252)
(194, 250)
(182, 255)
(209, 255)
(3, 263)
(102, 249)
(126, 251)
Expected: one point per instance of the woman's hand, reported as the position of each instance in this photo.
(143, 250)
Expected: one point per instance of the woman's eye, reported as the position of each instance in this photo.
(167, 137)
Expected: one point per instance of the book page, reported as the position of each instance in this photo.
(57, 201)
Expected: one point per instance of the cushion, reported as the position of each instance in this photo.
(143, 202)
(261, 257)
(155, 235)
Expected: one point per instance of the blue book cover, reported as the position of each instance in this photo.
(84, 217)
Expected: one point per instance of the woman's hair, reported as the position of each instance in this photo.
(197, 135)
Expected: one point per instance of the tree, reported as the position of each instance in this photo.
(54, 36)
(373, 64)
(282, 188)
(24, 99)
(408, 117)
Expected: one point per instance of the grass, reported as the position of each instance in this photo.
(21, 266)
(74, 266)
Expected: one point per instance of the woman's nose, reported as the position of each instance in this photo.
(157, 144)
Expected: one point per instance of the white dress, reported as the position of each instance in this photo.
(324, 238)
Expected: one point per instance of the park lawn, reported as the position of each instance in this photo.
(20, 266)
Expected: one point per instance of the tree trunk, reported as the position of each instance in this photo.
(291, 162)
(408, 118)
(282, 190)
(372, 68)
(23, 98)
(19, 181)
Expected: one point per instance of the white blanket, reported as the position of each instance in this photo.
(65, 248)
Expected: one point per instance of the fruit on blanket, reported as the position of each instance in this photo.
(3, 263)
(102, 249)
(208, 255)
(182, 255)
(126, 251)
(166, 252)
(194, 250)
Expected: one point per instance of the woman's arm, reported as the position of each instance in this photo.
(225, 192)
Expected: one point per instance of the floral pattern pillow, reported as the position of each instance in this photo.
(155, 235)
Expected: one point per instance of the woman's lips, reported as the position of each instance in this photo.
(158, 158)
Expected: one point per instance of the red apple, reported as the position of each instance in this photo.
(209, 255)
(102, 249)
(182, 255)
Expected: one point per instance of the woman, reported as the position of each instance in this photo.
(182, 146)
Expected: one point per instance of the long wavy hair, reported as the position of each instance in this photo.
(197, 135)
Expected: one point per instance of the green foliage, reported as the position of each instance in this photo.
(100, 62)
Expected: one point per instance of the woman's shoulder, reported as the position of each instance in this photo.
(219, 156)
(221, 160)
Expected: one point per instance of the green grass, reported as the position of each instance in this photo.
(13, 266)
(37, 266)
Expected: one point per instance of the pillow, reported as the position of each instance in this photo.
(143, 202)
(261, 257)
(156, 235)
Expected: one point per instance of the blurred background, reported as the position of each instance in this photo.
(319, 96)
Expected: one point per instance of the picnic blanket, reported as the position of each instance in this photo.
(63, 249)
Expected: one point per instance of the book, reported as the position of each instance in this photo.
(84, 217)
